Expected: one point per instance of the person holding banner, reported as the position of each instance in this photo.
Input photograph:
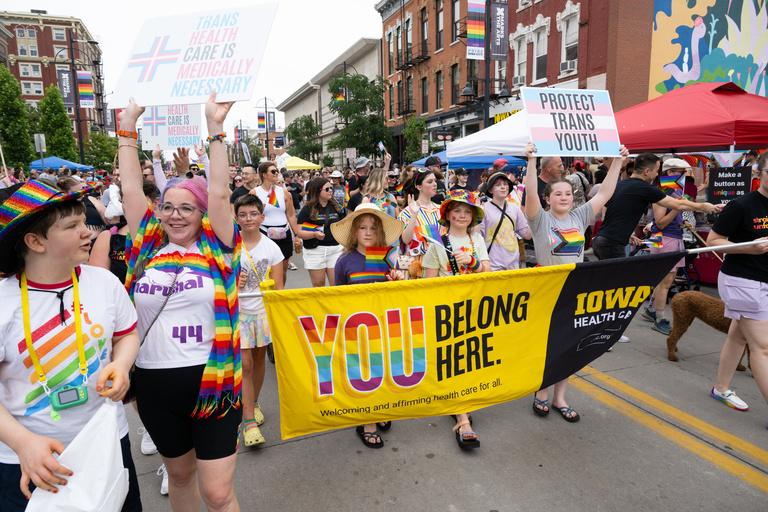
(182, 274)
(743, 286)
(558, 236)
(460, 251)
(420, 213)
(367, 227)
(502, 224)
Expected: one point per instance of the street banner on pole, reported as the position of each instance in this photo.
(498, 42)
(180, 59)
(476, 30)
(246, 152)
(350, 355)
(171, 126)
(64, 79)
(109, 120)
(571, 122)
(85, 89)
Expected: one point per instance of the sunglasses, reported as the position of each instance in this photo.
(326, 189)
(239, 179)
(273, 171)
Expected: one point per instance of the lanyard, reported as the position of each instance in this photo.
(28, 333)
(247, 253)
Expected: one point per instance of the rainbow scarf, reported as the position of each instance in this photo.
(272, 200)
(221, 384)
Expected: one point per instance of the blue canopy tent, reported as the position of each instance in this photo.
(473, 162)
(55, 162)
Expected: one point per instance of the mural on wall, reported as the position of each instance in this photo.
(709, 41)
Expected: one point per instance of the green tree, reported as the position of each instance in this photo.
(253, 148)
(415, 131)
(100, 151)
(327, 161)
(14, 125)
(35, 118)
(363, 111)
(302, 135)
(57, 126)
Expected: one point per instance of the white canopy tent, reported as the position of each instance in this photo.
(507, 137)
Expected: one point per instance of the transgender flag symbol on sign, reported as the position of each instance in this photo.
(157, 55)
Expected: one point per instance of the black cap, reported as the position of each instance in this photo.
(433, 160)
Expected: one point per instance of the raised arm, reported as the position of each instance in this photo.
(219, 212)
(157, 169)
(134, 201)
(609, 183)
(532, 205)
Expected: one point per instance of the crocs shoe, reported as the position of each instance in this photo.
(649, 315)
(147, 445)
(730, 399)
(164, 484)
(257, 414)
(253, 436)
(663, 326)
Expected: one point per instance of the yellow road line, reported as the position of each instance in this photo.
(711, 455)
(748, 450)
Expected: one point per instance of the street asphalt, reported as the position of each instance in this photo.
(650, 439)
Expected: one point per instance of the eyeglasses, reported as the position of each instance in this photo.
(185, 210)
(326, 189)
(245, 216)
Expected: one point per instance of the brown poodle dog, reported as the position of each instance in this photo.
(686, 306)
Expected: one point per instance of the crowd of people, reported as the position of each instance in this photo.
(157, 261)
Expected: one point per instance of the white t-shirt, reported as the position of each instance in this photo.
(106, 312)
(184, 331)
(265, 255)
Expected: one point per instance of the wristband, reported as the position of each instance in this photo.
(218, 136)
(123, 133)
(474, 264)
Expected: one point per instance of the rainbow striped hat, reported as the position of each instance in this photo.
(21, 210)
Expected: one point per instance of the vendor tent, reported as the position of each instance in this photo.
(472, 162)
(507, 137)
(698, 117)
(297, 163)
(55, 162)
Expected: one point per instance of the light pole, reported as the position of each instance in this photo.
(266, 122)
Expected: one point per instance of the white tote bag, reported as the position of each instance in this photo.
(100, 482)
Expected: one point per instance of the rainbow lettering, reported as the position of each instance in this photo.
(355, 356)
(322, 349)
(397, 348)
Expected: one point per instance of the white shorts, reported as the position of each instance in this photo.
(322, 257)
(743, 297)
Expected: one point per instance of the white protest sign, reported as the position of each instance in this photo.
(180, 59)
(172, 126)
(576, 122)
(351, 153)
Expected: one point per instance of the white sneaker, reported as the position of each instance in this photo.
(623, 339)
(730, 399)
(291, 266)
(147, 445)
(164, 485)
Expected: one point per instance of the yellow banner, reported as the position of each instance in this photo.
(351, 355)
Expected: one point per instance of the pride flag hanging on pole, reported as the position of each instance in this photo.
(85, 89)
(476, 30)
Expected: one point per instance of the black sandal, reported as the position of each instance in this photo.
(369, 438)
(384, 425)
(465, 444)
(538, 404)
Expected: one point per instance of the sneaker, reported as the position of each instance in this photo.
(649, 315)
(164, 485)
(623, 339)
(291, 266)
(663, 326)
(730, 399)
(147, 445)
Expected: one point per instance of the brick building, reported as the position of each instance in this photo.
(40, 45)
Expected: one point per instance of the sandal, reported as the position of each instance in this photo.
(465, 444)
(369, 439)
(469, 415)
(538, 406)
(384, 425)
(253, 436)
(566, 411)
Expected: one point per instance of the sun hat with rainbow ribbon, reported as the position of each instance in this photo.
(20, 211)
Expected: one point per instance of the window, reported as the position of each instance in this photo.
(60, 52)
(74, 126)
(439, 89)
(455, 22)
(455, 84)
(33, 50)
(71, 111)
(570, 37)
(500, 73)
(22, 50)
(473, 71)
(30, 33)
(424, 95)
(20, 32)
(32, 88)
(400, 97)
(439, 39)
(540, 52)
(398, 46)
(29, 70)
(32, 103)
(424, 31)
(408, 40)
(59, 34)
(391, 102)
(521, 56)
(409, 94)
(390, 45)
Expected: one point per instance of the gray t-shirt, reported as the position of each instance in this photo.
(560, 241)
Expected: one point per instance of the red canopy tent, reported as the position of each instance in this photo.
(698, 117)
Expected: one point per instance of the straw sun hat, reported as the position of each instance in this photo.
(392, 227)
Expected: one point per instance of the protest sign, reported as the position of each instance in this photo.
(171, 126)
(180, 59)
(350, 355)
(571, 122)
(727, 184)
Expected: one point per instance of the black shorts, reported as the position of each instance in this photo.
(285, 245)
(166, 399)
(12, 499)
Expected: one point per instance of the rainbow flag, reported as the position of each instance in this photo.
(428, 233)
(306, 226)
(399, 188)
(653, 240)
(262, 121)
(671, 182)
(346, 187)
(85, 89)
(339, 98)
(475, 29)
(380, 259)
(273, 198)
